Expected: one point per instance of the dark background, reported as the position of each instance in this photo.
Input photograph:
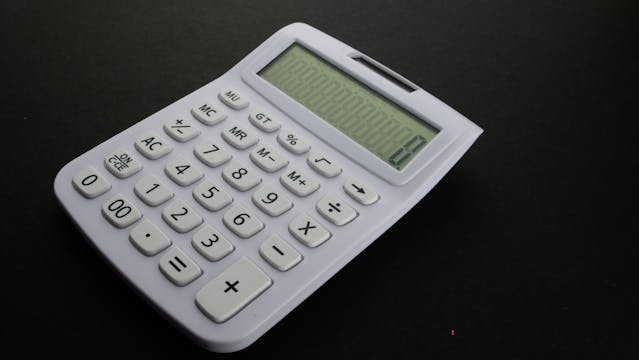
(527, 248)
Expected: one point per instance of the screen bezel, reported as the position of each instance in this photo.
(340, 56)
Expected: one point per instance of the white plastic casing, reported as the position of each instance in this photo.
(399, 190)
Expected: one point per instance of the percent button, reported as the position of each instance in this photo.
(292, 142)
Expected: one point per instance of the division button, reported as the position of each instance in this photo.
(208, 114)
(90, 183)
(232, 290)
(335, 210)
(360, 192)
(308, 231)
(148, 239)
(179, 267)
(279, 253)
(233, 99)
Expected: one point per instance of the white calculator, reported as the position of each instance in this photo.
(229, 207)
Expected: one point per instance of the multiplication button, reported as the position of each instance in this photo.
(232, 290)
(308, 231)
(335, 210)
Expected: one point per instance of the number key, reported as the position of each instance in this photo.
(211, 244)
(90, 183)
(210, 196)
(120, 211)
(241, 222)
(240, 177)
(180, 216)
(211, 153)
(271, 201)
(183, 172)
(150, 190)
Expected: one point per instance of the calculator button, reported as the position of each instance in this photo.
(308, 231)
(183, 172)
(150, 190)
(292, 142)
(180, 216)
(120, 211)
(148, 239)
(122, 164)
(264, 122)
(239, 138)
(208, 114)
(279, 253)
(335, 210)
(268, 159)
(298, 183)
(240, 177)
(211, 153)
(360, 192)
(232, 290)
(211, 244)
(90, 183)
(233, 99)
(271, 201)
(178, 267)
(241, 222)
(181, 129)
(323, 165)
(152, 146)
(210, 196)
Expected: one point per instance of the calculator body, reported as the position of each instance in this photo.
(396, 191)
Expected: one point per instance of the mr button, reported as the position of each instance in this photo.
(232, 290)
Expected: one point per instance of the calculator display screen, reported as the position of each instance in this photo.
(376, 123)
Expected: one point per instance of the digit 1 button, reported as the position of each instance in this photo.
(150, 190)
(308, 231)
(232, 290)
(211, 244)
(241, 222)
(181, 217)
(152, 146)
(335, 210)
(120, 212)
(279, 253)
(148, 239)
(323, 165)
(360, 192)
(178, 267)
(90, 183)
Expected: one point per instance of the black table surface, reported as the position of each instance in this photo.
(526, 249)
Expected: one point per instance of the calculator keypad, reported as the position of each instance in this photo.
(232, 290)
(90, 183)
(152, 191)
(180, 216)
(241, 222)
(120, 212)
(179, 267)
(240, 283)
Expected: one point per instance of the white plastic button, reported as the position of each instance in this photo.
(211, 196)
(360, 192)
(232, 290)
(271, 201)
(292, 142)
(122, 164)
(179, 267)
(153, 192)
(239, 138)
(335, 210)
(181, 129)
(211, 244)
(120, 212)
(264, 122)
(148, 239)
(240, 177)
(308, 231)
(183, 172)
(208, 114)
(233, 99)
(279, 253)
(241, 222)
(90, 183)
(298, 183)
(211, 153)
(180, 216)
(267, 159)
(323, 165)
(152, 146)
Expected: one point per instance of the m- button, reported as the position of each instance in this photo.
(232, 290)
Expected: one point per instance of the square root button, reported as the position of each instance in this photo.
(232, 290)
